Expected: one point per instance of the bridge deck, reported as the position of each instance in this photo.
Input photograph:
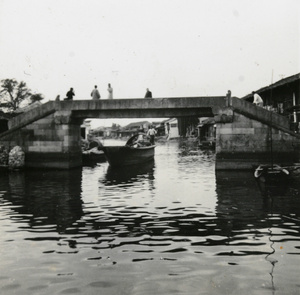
(125, 108)
(149, 108)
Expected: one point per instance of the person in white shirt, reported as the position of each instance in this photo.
(95, 93)
(257, 100)
(151, 133)
(139, 141)
(110, 92)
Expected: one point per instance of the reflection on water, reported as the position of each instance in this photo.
(130, 174)
(49, 197)
(169, 226)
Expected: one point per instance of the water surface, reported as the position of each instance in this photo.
(171, 226)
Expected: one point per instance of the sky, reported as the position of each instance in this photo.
(173, 47)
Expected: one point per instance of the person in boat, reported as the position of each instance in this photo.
(110, 91)
(148, 93)
(70, 94)
(151, 133)
(257, 99)
(95, 94)
(139, 140)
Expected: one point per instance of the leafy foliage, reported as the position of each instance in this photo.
(13, 93)
(36, 97)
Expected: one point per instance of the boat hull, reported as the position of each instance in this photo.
(91, 156)
(271, 173)
(125, 155)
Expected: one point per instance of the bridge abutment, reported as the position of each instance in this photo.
(245, 143)
(50, 142)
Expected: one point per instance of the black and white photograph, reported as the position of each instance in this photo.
(150, 147)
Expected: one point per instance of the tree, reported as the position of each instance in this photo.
(13, 93)
(36, 97)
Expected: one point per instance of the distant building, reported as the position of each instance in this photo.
(134, 128)
(101, 132)
(160, 128)
(282, 97)
(187, 126)
(171, 128)
(106, 131)
(85, 128)
(207, 132)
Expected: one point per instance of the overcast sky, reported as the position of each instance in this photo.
(173, 47)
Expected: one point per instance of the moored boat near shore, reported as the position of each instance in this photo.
(268, 173)
(93, 155)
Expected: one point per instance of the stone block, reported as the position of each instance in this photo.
(45, 149)
(31, 126)
(61, 133)
(34, 149)
(56, 160)
(47, 143)
(62, 117)
(70, 140)
(260, 131)
(234, 131)
(43, 126)
(52, 148)
(45, 121)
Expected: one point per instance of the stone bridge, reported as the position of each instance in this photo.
(246, 134)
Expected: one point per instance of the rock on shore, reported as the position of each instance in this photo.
(16, 158)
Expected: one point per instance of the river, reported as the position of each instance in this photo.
(172, 226)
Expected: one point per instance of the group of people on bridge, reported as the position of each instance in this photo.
(95, 94)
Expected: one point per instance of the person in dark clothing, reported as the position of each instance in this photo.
(148, 94)
(70, 94)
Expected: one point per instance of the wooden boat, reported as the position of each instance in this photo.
(274, 172)
(94, 155)
(137, 150)
(270, 173)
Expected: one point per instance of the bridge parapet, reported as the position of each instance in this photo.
(260, 114)
(137, 103)
(33, 115)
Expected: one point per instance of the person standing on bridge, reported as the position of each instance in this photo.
(228, 98)
(148, 93)
(70, 94)
(110, 92)
(95, 93)
(257, 99)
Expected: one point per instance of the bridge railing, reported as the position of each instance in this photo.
(30, 116)
(260, 114)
